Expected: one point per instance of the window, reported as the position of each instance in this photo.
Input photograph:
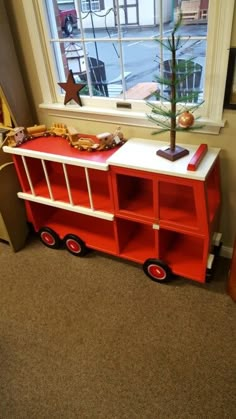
(114, 51)
(91, 5)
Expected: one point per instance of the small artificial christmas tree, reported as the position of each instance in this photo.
(174, 118)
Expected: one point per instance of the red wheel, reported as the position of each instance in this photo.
(75, 245)
(49, 237)
(157, 270)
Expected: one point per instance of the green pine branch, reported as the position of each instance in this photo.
(178, 22)
(167, 43)
(183, 64)
(160, 131)
(187, 98)
(164, 122)
(162, 112)
(163, 80)
(164, 43)
(177, 129)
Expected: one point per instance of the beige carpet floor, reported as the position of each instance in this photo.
(93, 337)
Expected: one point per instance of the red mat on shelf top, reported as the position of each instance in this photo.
(61, 147)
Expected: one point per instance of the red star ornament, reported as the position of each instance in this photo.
(72, 89)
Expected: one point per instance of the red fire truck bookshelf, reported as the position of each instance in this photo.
(126, 202)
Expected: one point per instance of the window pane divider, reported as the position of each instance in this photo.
(161, 49)
(120, 39)
(89, 81)
(120, 48)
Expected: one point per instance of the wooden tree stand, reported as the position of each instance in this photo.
(173, 154)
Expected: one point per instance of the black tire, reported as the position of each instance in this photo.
(68, 27)
(157, 270)
(75, 245)
(49, 238)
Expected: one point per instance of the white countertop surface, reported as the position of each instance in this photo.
(140, 154)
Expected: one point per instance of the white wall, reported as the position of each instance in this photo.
(149, 12)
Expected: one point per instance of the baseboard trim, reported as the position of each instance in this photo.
(226, 252)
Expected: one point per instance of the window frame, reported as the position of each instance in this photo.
(105, 109)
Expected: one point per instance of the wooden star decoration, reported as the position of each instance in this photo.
(72, 89)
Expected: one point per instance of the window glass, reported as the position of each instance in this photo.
(110, 44)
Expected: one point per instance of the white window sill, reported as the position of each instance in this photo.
(118, 116)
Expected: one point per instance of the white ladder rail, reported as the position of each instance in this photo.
(89, 188)
(47, 180)
(67, 184)
(28, 176)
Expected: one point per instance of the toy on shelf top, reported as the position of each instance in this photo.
(100, 142)
(83, 143)
(15, 137)
(19, 135)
